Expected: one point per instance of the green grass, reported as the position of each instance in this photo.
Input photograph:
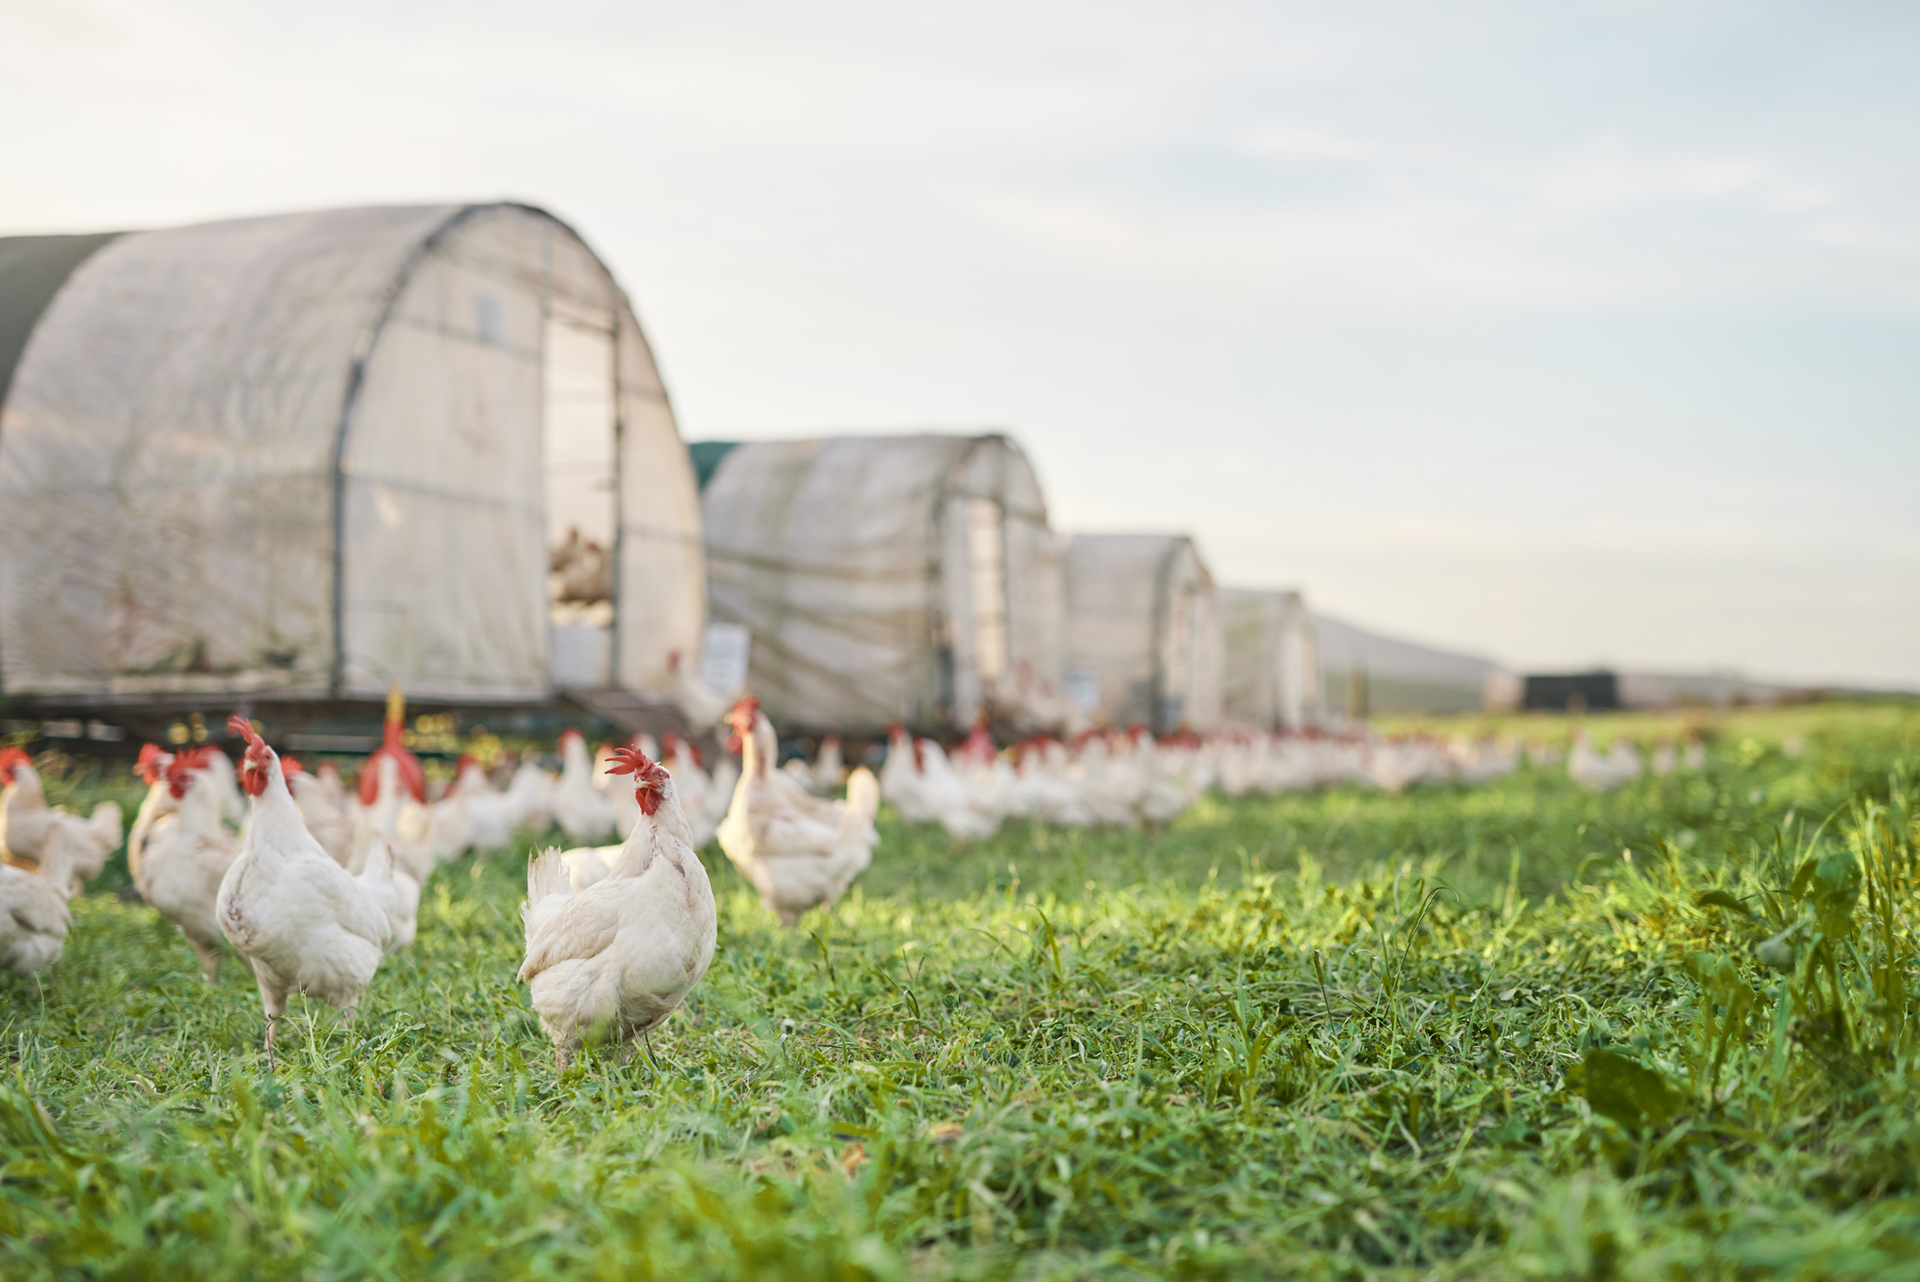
(1449, 1033)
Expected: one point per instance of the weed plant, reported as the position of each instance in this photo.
(1520, 1030)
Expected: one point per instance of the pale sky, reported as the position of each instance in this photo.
(1566, 333)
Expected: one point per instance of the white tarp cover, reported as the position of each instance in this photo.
(1366, 674)
(1143, 629)
(1270, 672)
(857, 564)
(301, 456)
(661, 581)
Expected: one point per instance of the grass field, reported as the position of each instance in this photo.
(1518, 1031)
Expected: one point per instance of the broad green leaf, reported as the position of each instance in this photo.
(1777, 952)
(1622, 1088)
(1836, 889)
(1802, 879)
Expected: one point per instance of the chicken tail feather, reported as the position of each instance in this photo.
(863, 801)
(546, 876)
(377, 867)
(379, 878)
(105, 821)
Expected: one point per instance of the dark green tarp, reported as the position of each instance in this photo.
(32, 270)
(706, 457)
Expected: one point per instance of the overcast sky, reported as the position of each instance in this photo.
(1566, 333)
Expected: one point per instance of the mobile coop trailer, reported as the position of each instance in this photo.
(298, 459)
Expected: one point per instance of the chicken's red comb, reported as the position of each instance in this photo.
(290, 766)
(631, 761)
(648, 777)
(239, 725)
(745, 710)
(14, 755)
(151, 763)
(183, 764)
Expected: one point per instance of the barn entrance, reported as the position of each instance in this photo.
(987, 569)
(581, 453)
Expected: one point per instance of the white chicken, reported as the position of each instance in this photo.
(395, 824)
(302, 921)
(965, 814)
(152, 769)
(26, 821)
(1599, 772)
(900, 781)
(614, 960)
(1052, 794)
(797, 850)
(322, 799)
(924, 787)
(694, 787)
(1587, 766)
(720, 785)
(1624, 759)
(1109, 783)
(531, 792)
(579, 807)
(829, 767)
(1167, 787)
(492, 816)
(987, 776)
(441, 831)
(34, 917)
(618, 799)
(587, 865)
(225, 784)
(184, 853)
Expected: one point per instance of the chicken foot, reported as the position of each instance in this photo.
(209, 959)
(276, 1004)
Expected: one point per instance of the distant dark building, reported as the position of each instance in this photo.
(1572, 692)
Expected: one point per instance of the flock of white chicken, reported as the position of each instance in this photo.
(1115, 779)
(314, 885)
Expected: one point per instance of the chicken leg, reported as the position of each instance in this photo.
(275, 1001)
(209, 959)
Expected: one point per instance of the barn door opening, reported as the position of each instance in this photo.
(987, 569)
(1177, 675)
(581, 454)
